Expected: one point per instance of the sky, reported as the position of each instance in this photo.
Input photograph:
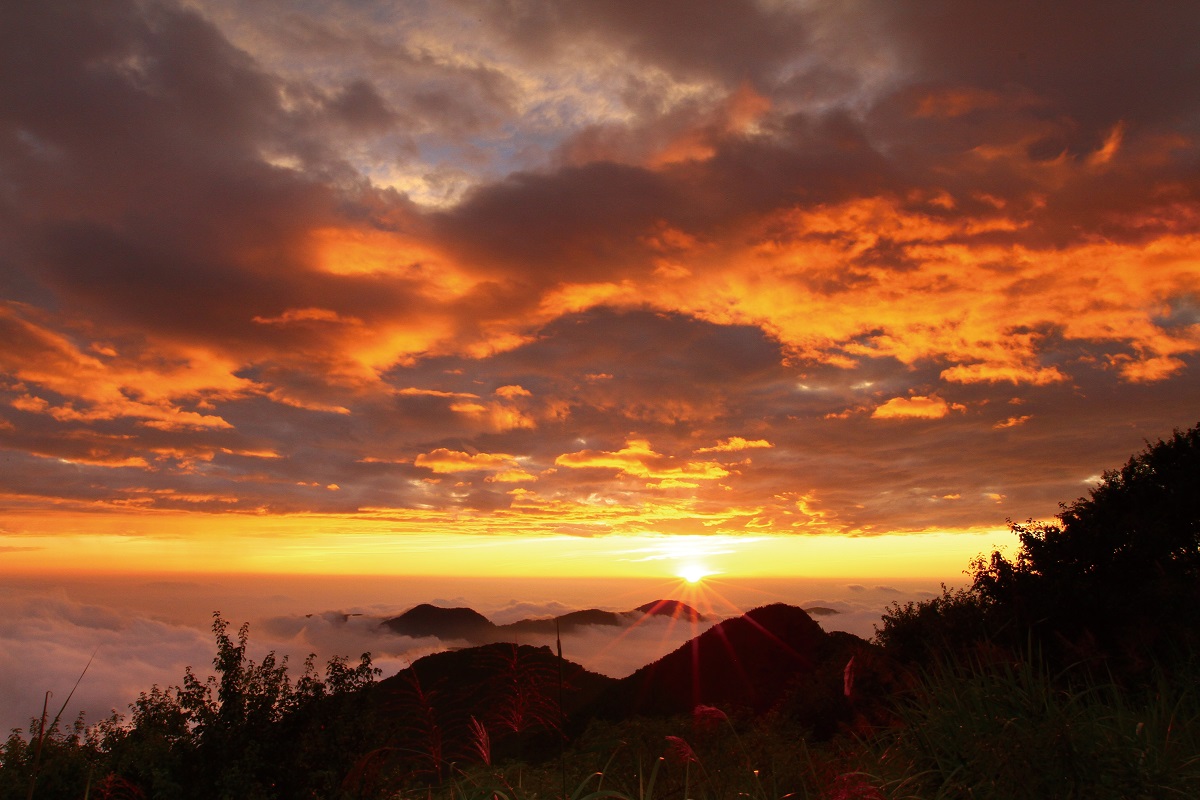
(604, 288)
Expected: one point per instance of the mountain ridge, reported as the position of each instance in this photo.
(746, 661)
(774, 658)
(466, 624)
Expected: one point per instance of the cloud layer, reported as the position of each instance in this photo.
(144, 633)
(780, 267)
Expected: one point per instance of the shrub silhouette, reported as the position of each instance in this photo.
(248, 731)
(1117, 576)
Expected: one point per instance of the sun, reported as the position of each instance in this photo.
(693, 573)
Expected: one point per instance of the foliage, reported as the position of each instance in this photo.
(490, 703)
(1117, 576)
(66, 759)
(707, 755)
(1122, 566)
(917, 632)
(986, 727)
(246, 732)
(1012, 730)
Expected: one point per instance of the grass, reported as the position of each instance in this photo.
(705, 756)
(979, 727)
(1012, 730)
(1006, 730)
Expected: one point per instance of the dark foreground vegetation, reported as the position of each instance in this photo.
(1070, 670)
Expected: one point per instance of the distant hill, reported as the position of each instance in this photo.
(469, 625)
(568, 622)
(674, 609)
(745, 661)
(443, 623)
(512, 690)
(772, 658)
(476, 678)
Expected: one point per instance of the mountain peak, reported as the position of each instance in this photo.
(468, 624)
(671, 608)
(744, 661)
(444, 623)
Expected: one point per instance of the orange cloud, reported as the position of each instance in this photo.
(915, 407)
(735, 443)
(286, 398)
(800, 510)
(362, 251)
(666, 238)
(638, 459)
(150, 388)
(294, 315)
(1001, 373)
(571, 298)
(495, 416)
(98, 458)
(738, 115)
(177, 496)
(1109, 149)
(415, 392)
(443, 460)
(512, 391)
(956, 102)
(511, 476)
(961, 296)
(673, 483)
(1147, 370)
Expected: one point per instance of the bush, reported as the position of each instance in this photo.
(1117, 576)
(248, 732)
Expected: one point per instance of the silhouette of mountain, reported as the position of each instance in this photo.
(443, 623)
(569, 621)
(752, 662)
(674, 609)
(474, 677)
(772, 658)
(511, 690)
(471, 626)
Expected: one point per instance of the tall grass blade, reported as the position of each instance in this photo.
(37, 753)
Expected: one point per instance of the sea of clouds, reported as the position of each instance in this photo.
(130, 636)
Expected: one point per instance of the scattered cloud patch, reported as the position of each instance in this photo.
(638, 459)
(735, 443)
(915, 407)
(444, 461)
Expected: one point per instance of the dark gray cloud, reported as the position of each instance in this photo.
(1095, 63)
(864, 267)
(732, 41)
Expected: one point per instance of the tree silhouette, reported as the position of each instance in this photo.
(248, 731)
(1117, 575)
